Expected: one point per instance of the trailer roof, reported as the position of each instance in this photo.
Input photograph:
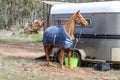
(92, 7)
(52, 2)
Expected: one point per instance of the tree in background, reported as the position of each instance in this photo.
(18, 12)
(3, 18)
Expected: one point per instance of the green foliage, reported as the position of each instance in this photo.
(34, 37)
(3, 18)
(25, 12)
(2, 8)
(40, 10)
(37, 37)
(22, 38)
(3, 21)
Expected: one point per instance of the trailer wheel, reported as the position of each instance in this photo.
(76, 54)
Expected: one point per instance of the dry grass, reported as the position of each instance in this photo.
(16, 68)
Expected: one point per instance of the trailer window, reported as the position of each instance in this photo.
(62, 21)
(89, 22)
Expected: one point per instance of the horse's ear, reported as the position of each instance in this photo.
(78, 12)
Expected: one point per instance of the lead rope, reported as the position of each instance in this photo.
(77, 40)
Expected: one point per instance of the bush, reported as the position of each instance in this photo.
(3, 21)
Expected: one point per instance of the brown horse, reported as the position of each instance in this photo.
(69, 29)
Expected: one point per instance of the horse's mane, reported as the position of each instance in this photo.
(69, 26)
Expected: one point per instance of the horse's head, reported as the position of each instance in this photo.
(80, 19)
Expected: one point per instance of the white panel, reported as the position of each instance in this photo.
(115, 54)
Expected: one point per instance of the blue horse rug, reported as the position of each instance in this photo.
(57, 36)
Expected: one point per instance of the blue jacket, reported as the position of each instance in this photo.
(57, 36)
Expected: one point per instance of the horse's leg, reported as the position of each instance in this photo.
(47, 54)
(69, 56)
(62, 58)
(50, 48)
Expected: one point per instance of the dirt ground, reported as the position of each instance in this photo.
(21, 49)
(39, 69)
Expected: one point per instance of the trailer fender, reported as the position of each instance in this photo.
(82, 53)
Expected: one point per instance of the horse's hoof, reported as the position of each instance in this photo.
(62, 67)
(47, 64)
(70, 67)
